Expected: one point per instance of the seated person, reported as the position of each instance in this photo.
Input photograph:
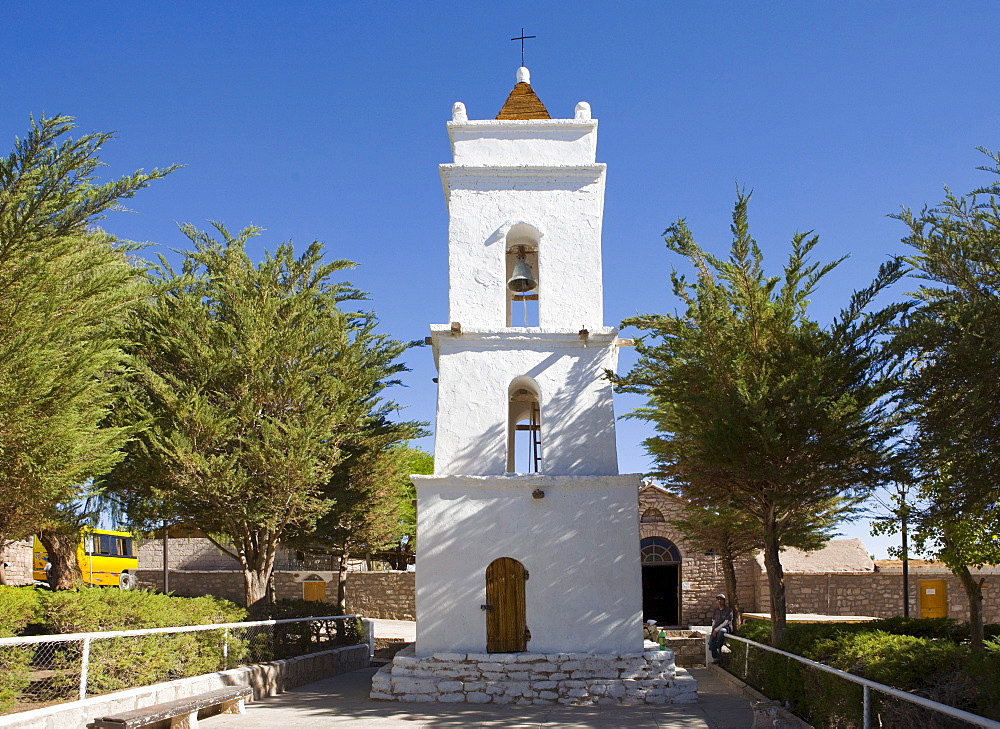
(722, 623)
(649, 631)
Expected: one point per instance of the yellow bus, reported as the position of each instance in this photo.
(106, 558)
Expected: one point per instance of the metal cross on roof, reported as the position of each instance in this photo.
(522, 38)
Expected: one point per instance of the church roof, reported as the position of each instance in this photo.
(523, 102)
(837, 555)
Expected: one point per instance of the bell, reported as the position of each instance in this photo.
(521, 279)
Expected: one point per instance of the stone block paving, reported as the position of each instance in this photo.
(342, 702)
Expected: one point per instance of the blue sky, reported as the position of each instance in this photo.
(326, 121)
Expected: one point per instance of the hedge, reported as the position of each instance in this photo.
(928, 657)
(115, 663)
(18, 607)
(123, 662)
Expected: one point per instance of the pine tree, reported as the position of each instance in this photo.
(253, 384)
(63, 285)
(952, 387)
(758, 408)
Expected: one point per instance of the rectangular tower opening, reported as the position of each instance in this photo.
(522, 286)
(522, 310)
(524, 440)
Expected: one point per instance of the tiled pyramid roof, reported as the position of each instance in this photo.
(523, 103)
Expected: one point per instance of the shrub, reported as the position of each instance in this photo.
(118, 663)
(900, 661)
(295, 639)
(98, 609)
(15, 675)
(926, 656)
(758, 631)
(18, 607)
(283, 609)
(942, 628)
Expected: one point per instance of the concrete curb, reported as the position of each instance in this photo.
(266, 679)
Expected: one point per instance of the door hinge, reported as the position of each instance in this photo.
(486, 608)
(526, 575)
(527, 635)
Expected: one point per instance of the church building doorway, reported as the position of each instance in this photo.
(661, 581)
(506, 629)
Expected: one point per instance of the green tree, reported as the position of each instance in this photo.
(369, 496)
(253, 386)
(420, 462)
(952, 338)
(758, 408)
(952, 387)
(896, 516)
(63, 285)
(733, 535)
(961, 538)
(726, 533)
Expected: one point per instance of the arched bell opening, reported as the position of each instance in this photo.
(524, 427)
(661, 581)
(522, 275)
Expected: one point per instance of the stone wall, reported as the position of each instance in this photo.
(877, 594)
(688, 647)
(387, 595)
(227, 584)
(17, 559)
(194, 554)
(580, 679)
(701, 574)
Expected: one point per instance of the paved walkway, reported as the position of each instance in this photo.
(405, 629)
(342, 702)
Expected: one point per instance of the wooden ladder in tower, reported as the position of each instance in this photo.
(536, 438)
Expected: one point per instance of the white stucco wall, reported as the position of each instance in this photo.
(528, 142)
(528, 173)
(475, 369)
(580, 545)
(534, 184)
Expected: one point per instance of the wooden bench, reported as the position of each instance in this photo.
(182, 713)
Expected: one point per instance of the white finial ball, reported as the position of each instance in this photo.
(458, 112)
(523, 76)
(582, 111)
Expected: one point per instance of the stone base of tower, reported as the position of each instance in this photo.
(579, 679)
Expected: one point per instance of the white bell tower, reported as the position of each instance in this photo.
(526, 472)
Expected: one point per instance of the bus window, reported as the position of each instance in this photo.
(123, 547)
(107, 544)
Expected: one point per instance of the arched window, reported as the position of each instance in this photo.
(521, 260)
(524, 427)
(651, 515)
(658, 550)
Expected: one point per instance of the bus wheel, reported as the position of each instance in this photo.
(126, 581)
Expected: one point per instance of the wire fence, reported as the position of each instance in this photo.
(42, 670)
(835, 699)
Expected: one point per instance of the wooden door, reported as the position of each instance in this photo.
(314, 590)
(506, 630)
(933, 599)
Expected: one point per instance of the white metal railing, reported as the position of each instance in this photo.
(867, 685)
(45, 650)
